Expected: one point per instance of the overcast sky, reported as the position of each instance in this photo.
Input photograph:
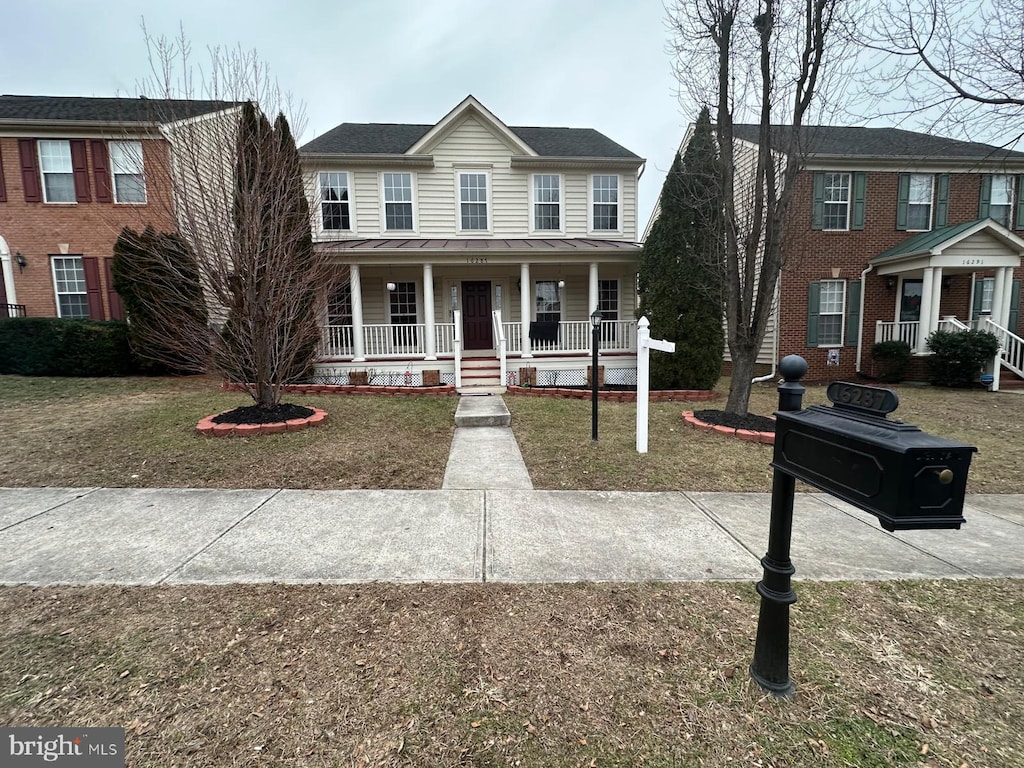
(577, 63)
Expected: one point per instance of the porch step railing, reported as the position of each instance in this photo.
(1011, 352)
(502, 343)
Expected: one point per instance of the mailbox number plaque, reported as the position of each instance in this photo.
(873, 400)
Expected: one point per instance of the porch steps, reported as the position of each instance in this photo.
(481, 372)
(487, 411)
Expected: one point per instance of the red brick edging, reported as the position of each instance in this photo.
(768, 438)
(208, 427)
(656, 396)
(353, 389)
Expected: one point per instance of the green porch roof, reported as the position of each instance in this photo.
(924, 242)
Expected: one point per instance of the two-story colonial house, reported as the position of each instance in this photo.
(893, 234)
(474, 250)
(73, 172)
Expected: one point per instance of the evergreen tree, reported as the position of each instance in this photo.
(157, 277)
(680, 274)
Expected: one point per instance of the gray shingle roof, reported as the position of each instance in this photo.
(878, 142)
(103, 110)
(395, 139)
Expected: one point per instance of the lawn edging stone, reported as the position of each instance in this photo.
(752, 436)
(206, 426)
(617, 396)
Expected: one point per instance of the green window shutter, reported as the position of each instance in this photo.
(1020, 203)
(985, 198)
(942, 200)
(860, 188)
(976, 303)
(852, 313)
(813, 306)
(902, 201)
(818, 206)
(1011, 324)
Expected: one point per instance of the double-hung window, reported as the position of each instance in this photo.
(605, 203)
(833, 313)
(126, 166)
(398, 201)
(335, 211)
(548, 301)
(472, 201)
(919, 204)
(69, 286)
(402, 306)
(57, 172)
(836, 212)
(339, 304)
(1001, 199)
(831, 309)
(608, 303)
(547, 202)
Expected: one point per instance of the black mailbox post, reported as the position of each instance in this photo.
(905, 477)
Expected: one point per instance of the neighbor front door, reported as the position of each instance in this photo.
(476, 314)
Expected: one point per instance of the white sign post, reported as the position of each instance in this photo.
(644, 345)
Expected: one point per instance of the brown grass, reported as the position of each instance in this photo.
(887, 674)
(554, 436)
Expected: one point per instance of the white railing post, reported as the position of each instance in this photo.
(457, 346)
(644, 345)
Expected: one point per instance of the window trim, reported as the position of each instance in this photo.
(559, 291)
(534, 203)
(57, 293)
(1010, 203)
(384, 202)
(416, 295)
(931, 201)
(349, 176)
(486, 173)
(70, 173)
(591, 202)
(114, 174)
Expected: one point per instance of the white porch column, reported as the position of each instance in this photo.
(936, 298)
(924, 325)
(358, 347)
(430, 341)
(525, 298)
(1000, 313)
(1007, 299)
(594, 291)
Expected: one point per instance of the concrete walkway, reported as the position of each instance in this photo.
(486, 524)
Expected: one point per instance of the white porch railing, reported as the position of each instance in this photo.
(574, 336)
(899, 331)
(499, 335)
(444, 338)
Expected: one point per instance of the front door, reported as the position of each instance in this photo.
(476, 314)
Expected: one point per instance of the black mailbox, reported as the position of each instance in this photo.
(907, 478)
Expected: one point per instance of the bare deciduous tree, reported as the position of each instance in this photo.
(959, 62)
(769, 62)
(239, 201)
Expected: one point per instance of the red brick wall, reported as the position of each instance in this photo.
(89, 229)
(813, 254)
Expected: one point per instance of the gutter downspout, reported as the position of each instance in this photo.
(775, 345)
(860, 336)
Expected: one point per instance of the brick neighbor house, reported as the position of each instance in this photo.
(73, 172)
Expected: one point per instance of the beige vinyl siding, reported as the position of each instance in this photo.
(576, 204)
(366, 194)
(976, 247)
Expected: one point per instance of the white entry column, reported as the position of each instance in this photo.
(1000, 296)
(924, 324)
(430, 340)
(356, 289)
(525, 297)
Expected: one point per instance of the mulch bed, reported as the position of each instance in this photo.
(254, 414)
(734, 421)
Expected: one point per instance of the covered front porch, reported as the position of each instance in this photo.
(952, 279)
(405, 307)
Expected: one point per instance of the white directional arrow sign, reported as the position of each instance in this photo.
(644, 345)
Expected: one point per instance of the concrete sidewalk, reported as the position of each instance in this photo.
(182, 536)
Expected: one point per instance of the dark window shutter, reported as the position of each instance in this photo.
(818, 205)
(860, 191)
(976, 302)
(113, 297)
(813, 306)
(1020, 203)
(1011, 324)
(93, 296)
(942, 200)
(985, 198)
(3, 185)
(902, 201)
(852, 313)
(30, 171)
(101, 172)
(80, 171)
